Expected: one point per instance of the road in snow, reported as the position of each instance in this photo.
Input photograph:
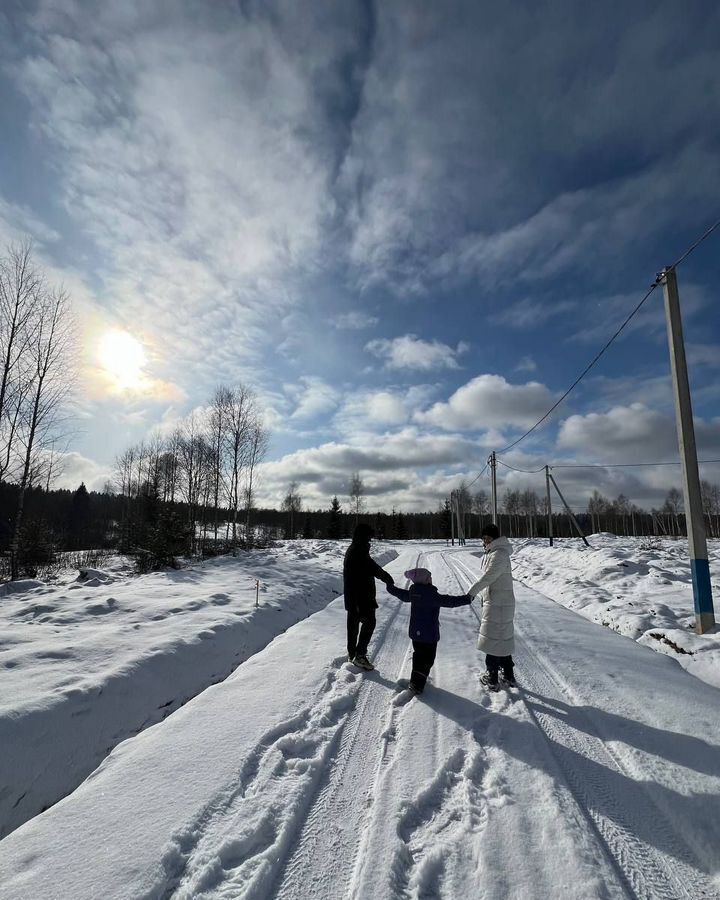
(300, 777)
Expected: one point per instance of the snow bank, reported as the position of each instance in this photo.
(89, 662)
(639, 587)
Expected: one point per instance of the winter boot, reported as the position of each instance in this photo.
(489, 680)
(509, 679)
(363, 662)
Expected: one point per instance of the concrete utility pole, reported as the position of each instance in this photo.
(452, 518)
(493, 472)
(699, 567)
(549, 504)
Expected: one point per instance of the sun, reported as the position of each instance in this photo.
(122, 358)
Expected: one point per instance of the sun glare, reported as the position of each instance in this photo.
(122, 357)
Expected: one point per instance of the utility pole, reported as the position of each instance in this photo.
(549, 504)
(452, 518)
(493, 472)
(697, 544)
(569, 511)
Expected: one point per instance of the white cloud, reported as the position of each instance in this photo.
(355, 321)
(18, 223)
(411, 352)
(313, 397)
(489, 401)
(526, 364)
(703, 355)
(388, 463)
(529, 313)
(633, 433)
(197, 159)
(74, 468)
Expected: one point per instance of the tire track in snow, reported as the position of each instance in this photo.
(323, 860)
(437, 827)
(232, 838)
(587, 765)
(263, 834)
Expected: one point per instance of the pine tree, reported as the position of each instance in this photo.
(78, 516)
(446, 520)
(334, 530)
(400, 529)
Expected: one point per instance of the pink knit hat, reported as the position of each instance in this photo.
(419, 576)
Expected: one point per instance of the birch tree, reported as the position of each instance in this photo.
(49, 356)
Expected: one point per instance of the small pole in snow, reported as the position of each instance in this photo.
(694, 514)
(257, 593)
(549, 504)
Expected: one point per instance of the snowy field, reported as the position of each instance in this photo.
(89, 661)
(298, 776)
(639, 587)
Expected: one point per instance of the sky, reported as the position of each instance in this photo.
(407, 226)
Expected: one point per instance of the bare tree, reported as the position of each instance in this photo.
(238, 418)
(481, 506)
(464, 502)
(511, 505)
(292, 504)
(217, 429)
(257, 448)
(357, 489)
(21, 298)
(597, 506)
(528, 504)
(49, 357)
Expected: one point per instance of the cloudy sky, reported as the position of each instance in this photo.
(408, 225)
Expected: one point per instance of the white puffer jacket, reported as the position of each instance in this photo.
(497, 635)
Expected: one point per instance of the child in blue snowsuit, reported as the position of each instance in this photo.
(424, 631)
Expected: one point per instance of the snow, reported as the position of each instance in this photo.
(99, 656)
(639, 587)
(299, 776)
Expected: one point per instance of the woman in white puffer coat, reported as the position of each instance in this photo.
(495, 585)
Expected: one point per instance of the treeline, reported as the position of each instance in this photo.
(524, 514)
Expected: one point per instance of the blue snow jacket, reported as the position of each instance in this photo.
(425, 603)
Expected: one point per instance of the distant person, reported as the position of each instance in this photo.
(497, 631)
(424, 631)
(359, 574)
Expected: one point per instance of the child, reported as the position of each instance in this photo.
(424, 631)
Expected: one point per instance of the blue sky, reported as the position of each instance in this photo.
(407, 225)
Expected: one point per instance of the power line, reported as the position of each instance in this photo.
(695, 245)
(478, 477)
(577, 381)
(622, 465)
(598, 465)
(583, 373)
(526, 471)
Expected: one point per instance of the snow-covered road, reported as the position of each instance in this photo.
(299, 776)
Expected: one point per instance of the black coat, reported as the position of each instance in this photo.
(359, 573)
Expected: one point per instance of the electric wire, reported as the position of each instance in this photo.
(695, 245)
(599, 465)
(478, 477)
(583, 373)
(653, 286)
